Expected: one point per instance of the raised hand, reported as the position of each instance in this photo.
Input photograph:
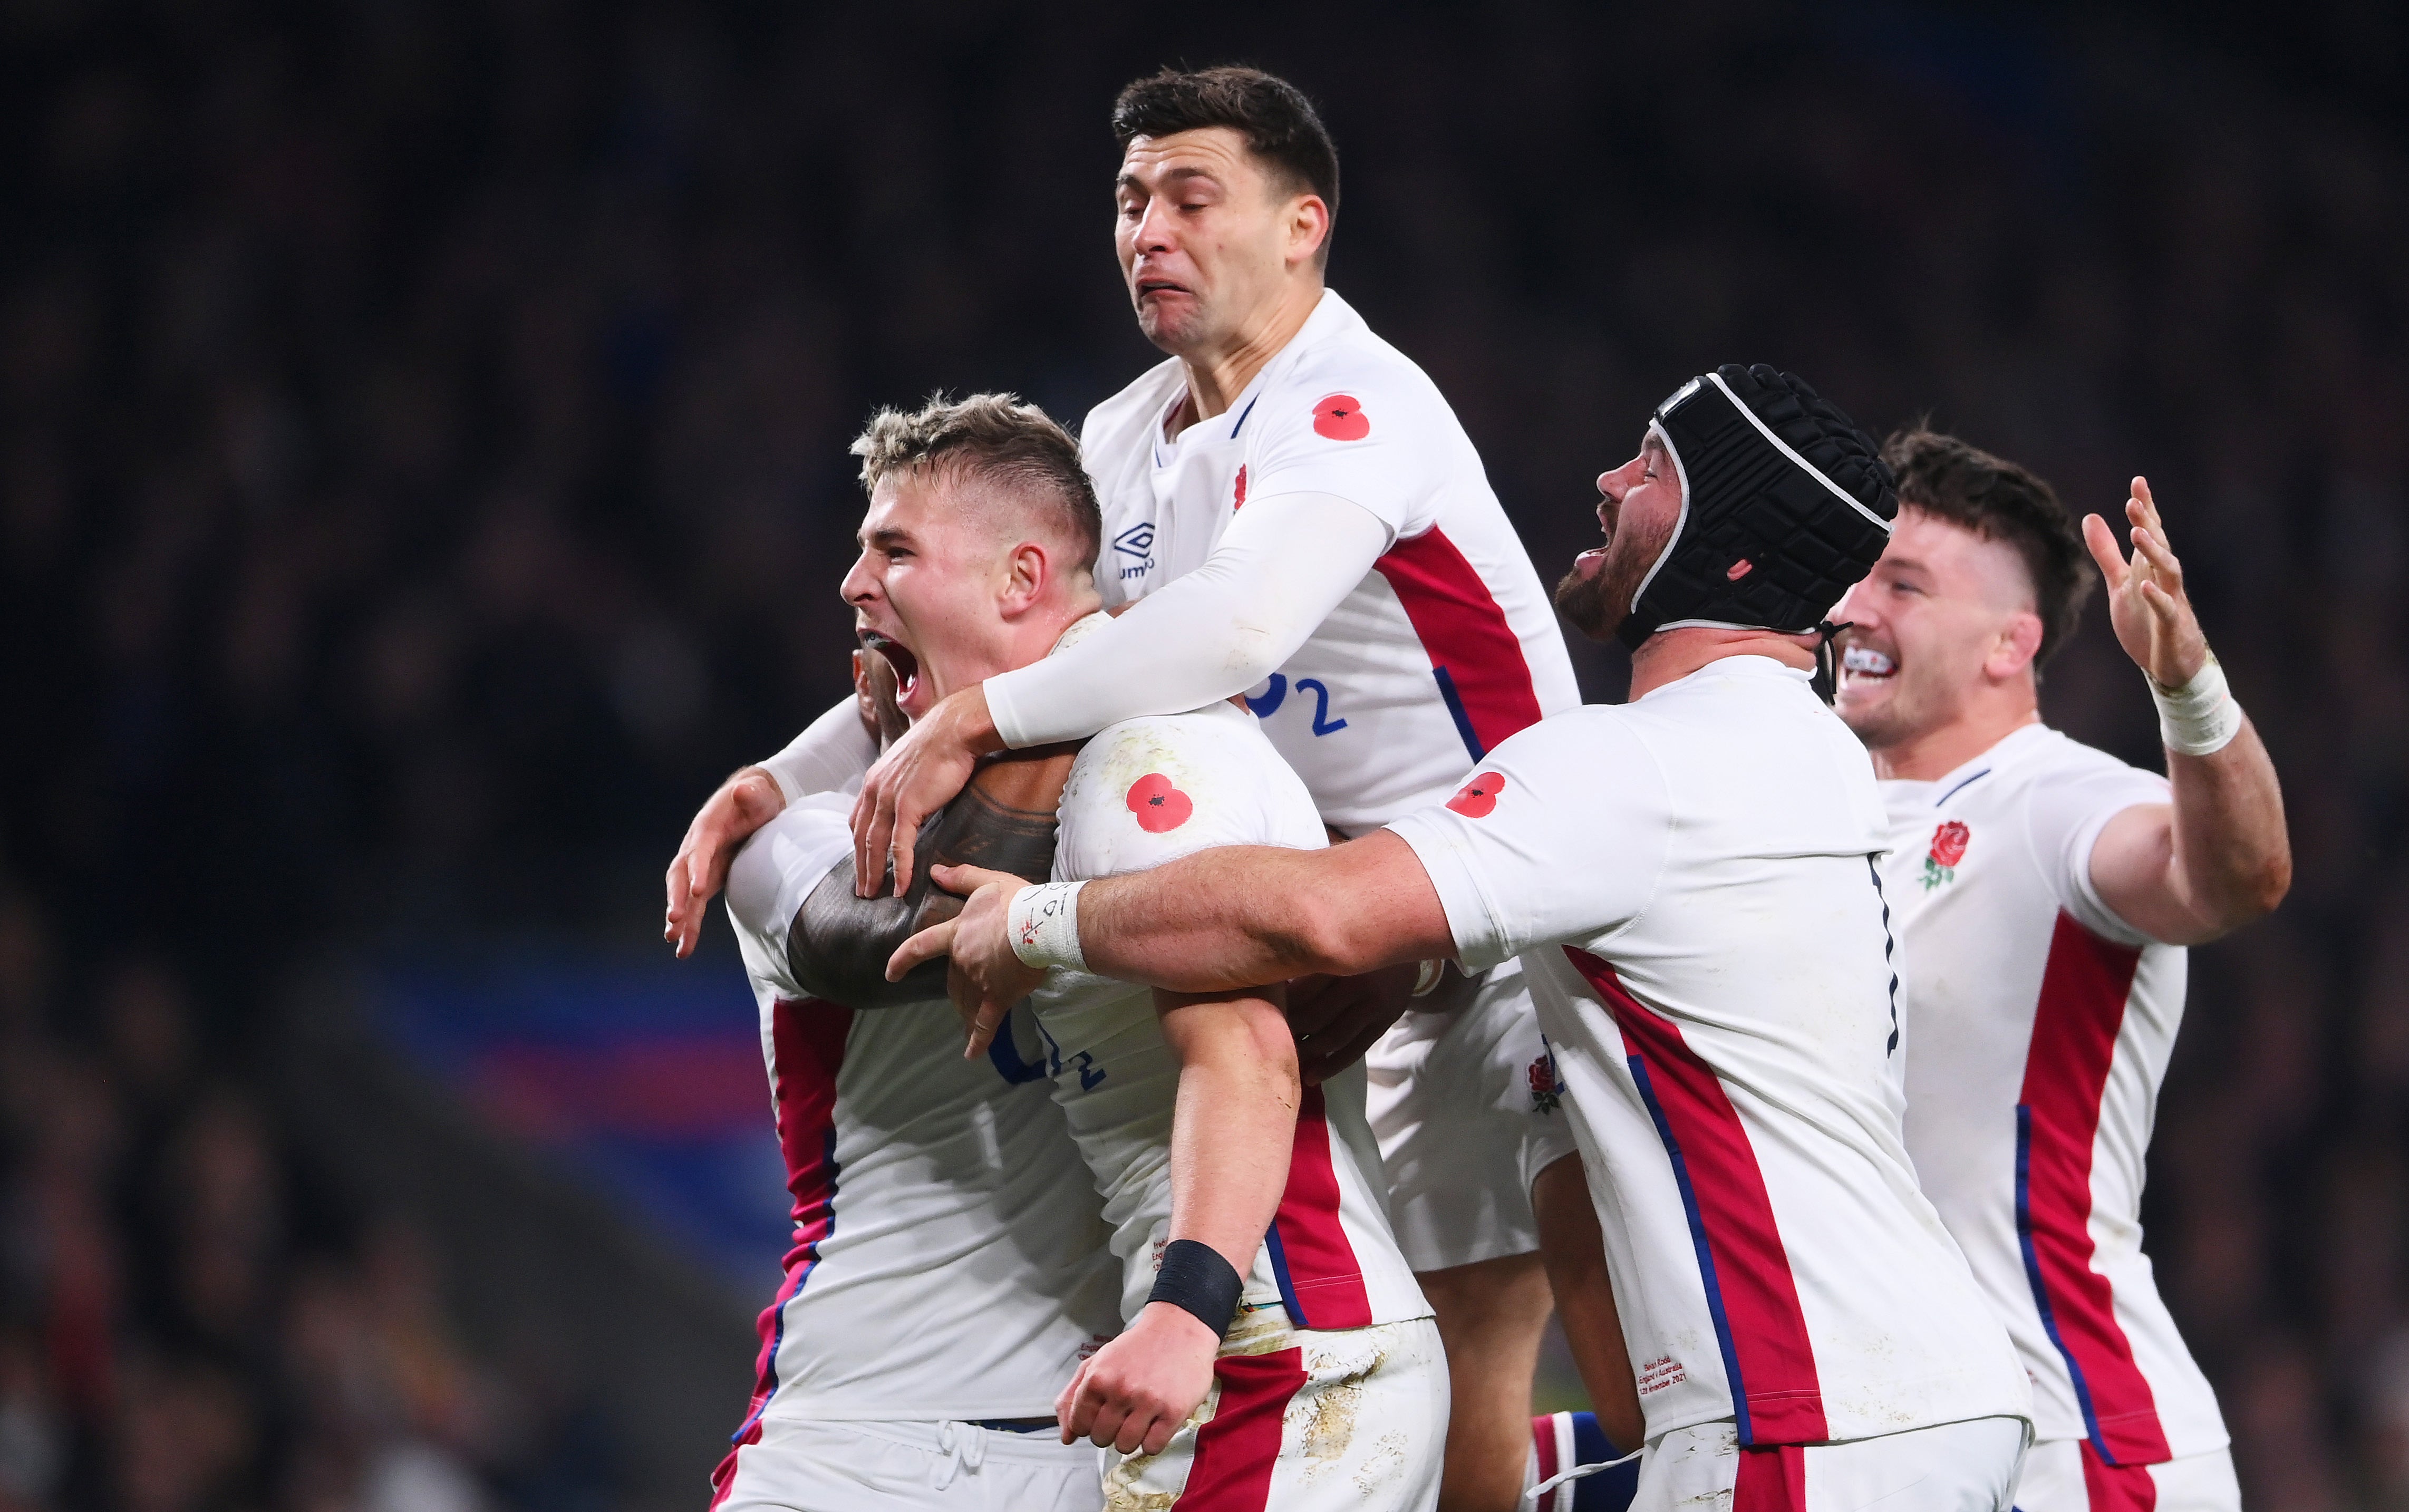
(986, 979)
(2151, 612)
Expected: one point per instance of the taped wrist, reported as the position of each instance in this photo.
(1194, 1277)
(1043, 924)
(2201, 718)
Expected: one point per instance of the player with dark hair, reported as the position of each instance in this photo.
(2044, 893)
(1292, 513)
(1690, 881)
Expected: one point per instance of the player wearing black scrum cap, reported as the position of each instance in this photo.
(1689, 881)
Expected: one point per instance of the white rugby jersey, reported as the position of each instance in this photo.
(1446, 647)
(1148, 791)
(949, 1259)
(2038, 1029)
(1690, 881)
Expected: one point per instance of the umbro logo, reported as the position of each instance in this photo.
(1136, 541)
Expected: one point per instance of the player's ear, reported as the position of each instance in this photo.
(1308, 228)
(2018, 643)
(1029, 571)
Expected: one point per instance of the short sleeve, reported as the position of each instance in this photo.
(777, 871)
(1370, 443)
(2066, 814)
(1148, 791)
(1561, 834)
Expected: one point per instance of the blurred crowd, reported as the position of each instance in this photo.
(193, 1314)
(422, 476)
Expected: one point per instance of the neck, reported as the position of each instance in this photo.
(1937, 751)
(1670, 656)
(1217, 374)
(1025, 639)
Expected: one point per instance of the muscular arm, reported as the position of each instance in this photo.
(2213, 860)
(2219, 856)
(1284, 564)
(1003, 822)
(1233, 916)
(1240, 914)
(1233, 1125)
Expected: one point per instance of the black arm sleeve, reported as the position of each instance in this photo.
(839, 945)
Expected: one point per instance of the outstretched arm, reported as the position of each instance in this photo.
(1277, 573)
(1233, 1125)
(2218, 855)
(1232, 917)
(1003, 822)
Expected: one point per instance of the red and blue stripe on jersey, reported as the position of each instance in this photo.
(1769, 1358)
(1476, 658)
(807, 1039)
(2084, 989)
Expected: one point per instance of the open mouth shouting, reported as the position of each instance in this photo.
(900, 658)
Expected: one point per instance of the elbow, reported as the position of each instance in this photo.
(2268, 884)
(1325, 939)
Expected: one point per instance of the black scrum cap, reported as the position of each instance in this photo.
(1785, 503)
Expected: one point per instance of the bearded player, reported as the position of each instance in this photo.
(1292, 511)
(1689, 880)
(2044, 893)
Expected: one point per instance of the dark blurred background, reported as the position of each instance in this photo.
(423, 477)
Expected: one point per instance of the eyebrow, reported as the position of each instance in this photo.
(886, 535)
(1130, 180)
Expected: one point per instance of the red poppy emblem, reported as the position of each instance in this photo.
(1949, 843)
(1341, 419)
(1240, 502)
(1158, 806)
(1474, 798)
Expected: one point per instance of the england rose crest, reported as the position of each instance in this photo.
(1948, 849)
(1547, 1087)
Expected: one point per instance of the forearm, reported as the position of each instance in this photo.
(1233, 916)
(1281, 568)
(1234, 1121)
(829, 755)
(1005, 821)
(2233, 858)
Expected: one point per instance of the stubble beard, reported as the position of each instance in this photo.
(1596, 603)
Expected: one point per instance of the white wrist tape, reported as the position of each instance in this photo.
(1043, 921)
(2199, 717)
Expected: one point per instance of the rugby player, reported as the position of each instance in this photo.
(1277, 1344)
(949, 1269)
(1690, 882)
(1295, 513)
(2044, 893)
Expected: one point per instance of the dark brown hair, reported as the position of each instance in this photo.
(1999, 500)
(1280, 125)
(997, 439)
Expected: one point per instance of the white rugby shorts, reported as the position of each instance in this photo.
(2066, 1475)
(936, 1466)
(1456, 1100)
(1955, 1467)
(1350, 1420)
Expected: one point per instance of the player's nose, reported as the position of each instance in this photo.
(860, 585)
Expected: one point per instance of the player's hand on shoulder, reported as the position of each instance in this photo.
(986, 979)
(2147, 606)
(912, 779)
(1336, 1019)
(743, 804)
(1134, 1394)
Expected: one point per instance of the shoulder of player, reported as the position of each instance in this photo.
(1129, 411)
(1390, 391)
